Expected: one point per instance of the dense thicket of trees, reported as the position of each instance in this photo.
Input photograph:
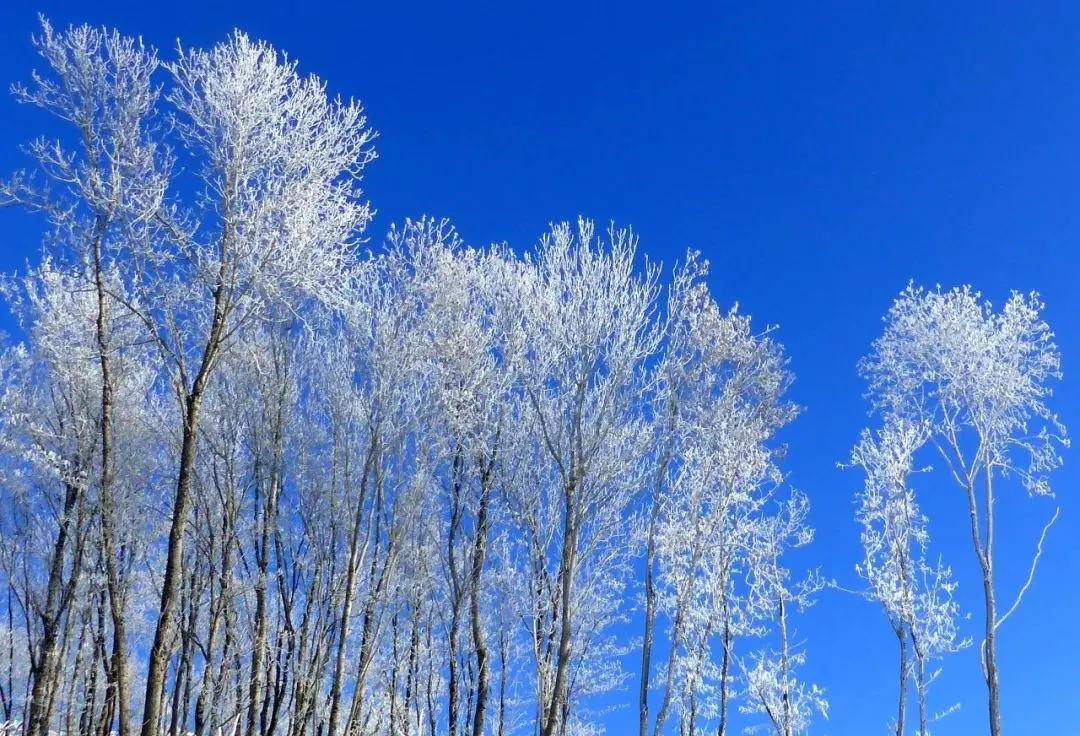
(256, 479)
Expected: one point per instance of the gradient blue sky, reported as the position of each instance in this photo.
(819, 154)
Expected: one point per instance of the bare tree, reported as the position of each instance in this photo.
(280, 165)
(915, 597)
(722, 398)
(582, 373)
(978, 381)
(773, 687)
(95, 195)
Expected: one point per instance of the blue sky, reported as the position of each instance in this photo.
(819, 154)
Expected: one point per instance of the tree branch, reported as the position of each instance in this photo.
(1031, 572)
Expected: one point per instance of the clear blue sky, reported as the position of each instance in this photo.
(820, 154)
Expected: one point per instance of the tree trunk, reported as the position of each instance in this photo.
(503, 647)
(725, 666)
(991, 610)
(650, 586)
(650, 616)
(990, 653)
(676, 641)
(455, 592)
(984, 553)
(57, 596)
(901, 711)
(350, 583)
(920, 685)
(479, 552)
(118, 667)
(87, 719)
(412, 673)
(159, 654)
(786, 696)
(182, 673)
(452, 681)
(204, 704)
(566, 579)
(7, 695)
(262, 558)
(346, 612)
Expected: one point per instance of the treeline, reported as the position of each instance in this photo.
(258, 480)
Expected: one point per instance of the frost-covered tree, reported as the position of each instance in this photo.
(588, 332)
(293, 487)
(52, 446)
(719, 404)
(275, 219)
(279, 163)
(978, 381)
(470, 339)
(50, 412)
(772, 685)
(96, 192)
(915, 596)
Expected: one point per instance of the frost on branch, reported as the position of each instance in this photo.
(774, 689)
(915, 595)
(976, 382)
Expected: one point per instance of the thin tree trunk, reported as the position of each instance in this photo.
(650, 615)
(350, 584)
(452, 683)
(76, 671)
(455, 593)
(392, 689)
(89, 706)
(182, 674)
(412, 672)
(158, 658)
(901, 710)
(430, 684)
(920, 686)
(984, 553)
(479, 551)
(991, 610)
(725, 666)
(503, 646)
(676, 641)
(7, 695)
(650, 586)
(204, 704)
(990, 650)
(118, 669)
(262, 558)
(786, 696)
(566, 578)
(57, 597)
(367, 628)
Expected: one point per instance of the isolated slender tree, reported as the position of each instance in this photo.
(979, 381)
